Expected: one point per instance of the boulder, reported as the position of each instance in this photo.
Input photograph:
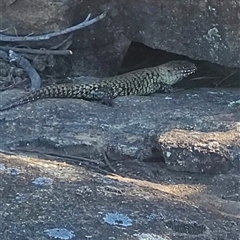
(194, 131)
(201, 30)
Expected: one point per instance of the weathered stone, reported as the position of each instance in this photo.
(194, 151)
(35, 17)
(39, 195)
(202, 30)
(130, 128)
(101, 62)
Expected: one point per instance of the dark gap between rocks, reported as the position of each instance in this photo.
(208, 75)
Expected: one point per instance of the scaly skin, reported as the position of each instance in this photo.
(140, 82)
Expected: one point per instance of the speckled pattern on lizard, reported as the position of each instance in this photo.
(140, 82)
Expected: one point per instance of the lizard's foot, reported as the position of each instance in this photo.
(104, 95)
(107, 102)
(170, 89)
(173, 90)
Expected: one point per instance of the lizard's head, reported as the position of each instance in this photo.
(177, 70)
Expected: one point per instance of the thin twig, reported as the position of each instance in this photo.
(14, 84)
(84, 24)
(230, 75)
(54, 156)
(65, 44)
(203, 78)
(26, 65)
(105, 157)
(37, 51)
(58, 157)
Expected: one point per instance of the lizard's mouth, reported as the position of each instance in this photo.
(187, 72)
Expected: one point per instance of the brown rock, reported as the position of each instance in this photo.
(199, 152)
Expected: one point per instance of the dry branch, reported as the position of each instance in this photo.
(37, 51)
(26, 65)
(85, 23)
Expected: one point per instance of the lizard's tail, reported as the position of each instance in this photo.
(53, 91)
(93, 91)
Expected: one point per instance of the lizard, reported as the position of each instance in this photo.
(142, 82)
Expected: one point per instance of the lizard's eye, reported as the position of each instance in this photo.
(169, 70)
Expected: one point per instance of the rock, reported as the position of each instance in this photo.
(36, 17)
(195, 151)
(131, 128)
(200, 30)
(52, 199)
(101, 62)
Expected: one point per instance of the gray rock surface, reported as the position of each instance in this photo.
(201, 30)
(131, 129)
(42, 198)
